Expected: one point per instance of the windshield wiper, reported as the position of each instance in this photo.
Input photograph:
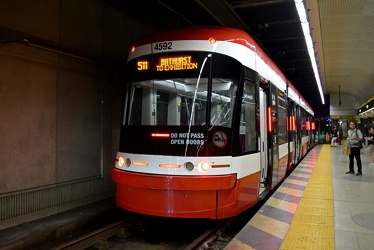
(193, 102)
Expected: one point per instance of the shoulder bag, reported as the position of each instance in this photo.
(345, 149)
(359, 143)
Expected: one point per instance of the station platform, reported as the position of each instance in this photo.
(318, 206)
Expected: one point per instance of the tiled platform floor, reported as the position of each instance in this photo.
(319, 206)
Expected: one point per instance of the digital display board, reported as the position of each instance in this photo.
(168, 63)
(142, 65)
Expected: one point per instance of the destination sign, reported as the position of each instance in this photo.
(175, 63)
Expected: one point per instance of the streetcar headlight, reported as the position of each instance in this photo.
(189, 166)
(121, 161)
(203, 167)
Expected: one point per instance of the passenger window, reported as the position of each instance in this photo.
(247, 131)
(282, 131)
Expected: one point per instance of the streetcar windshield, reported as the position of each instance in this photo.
(181, 104)
(182, 101)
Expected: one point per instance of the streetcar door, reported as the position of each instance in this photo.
(273, 137)
(263, 138)
(298, 135)
(292, 131)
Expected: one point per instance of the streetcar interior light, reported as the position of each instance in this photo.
(270, 120)
(189, 166)
(203, 166)
(212, 40)
(293, 123)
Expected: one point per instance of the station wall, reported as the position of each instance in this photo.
(61, 85)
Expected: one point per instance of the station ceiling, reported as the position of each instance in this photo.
(342, 32)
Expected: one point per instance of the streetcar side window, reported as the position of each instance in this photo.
(222, 101)
(303, 116)
(282, 130)
(247, 131)
(136, 106)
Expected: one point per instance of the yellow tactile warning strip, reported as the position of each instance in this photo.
(299, 215)
(313, 224)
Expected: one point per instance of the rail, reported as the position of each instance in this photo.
(92, 238)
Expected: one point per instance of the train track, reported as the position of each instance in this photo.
(209, 239)
(91, 238)
(118, 235)
(217, 237)
(138, 232)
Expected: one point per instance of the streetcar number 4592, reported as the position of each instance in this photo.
(163, 46)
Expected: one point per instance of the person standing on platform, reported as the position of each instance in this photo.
(334, 136)
(371, 144)
(353, 139)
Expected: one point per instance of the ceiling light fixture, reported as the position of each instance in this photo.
(309, 43)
